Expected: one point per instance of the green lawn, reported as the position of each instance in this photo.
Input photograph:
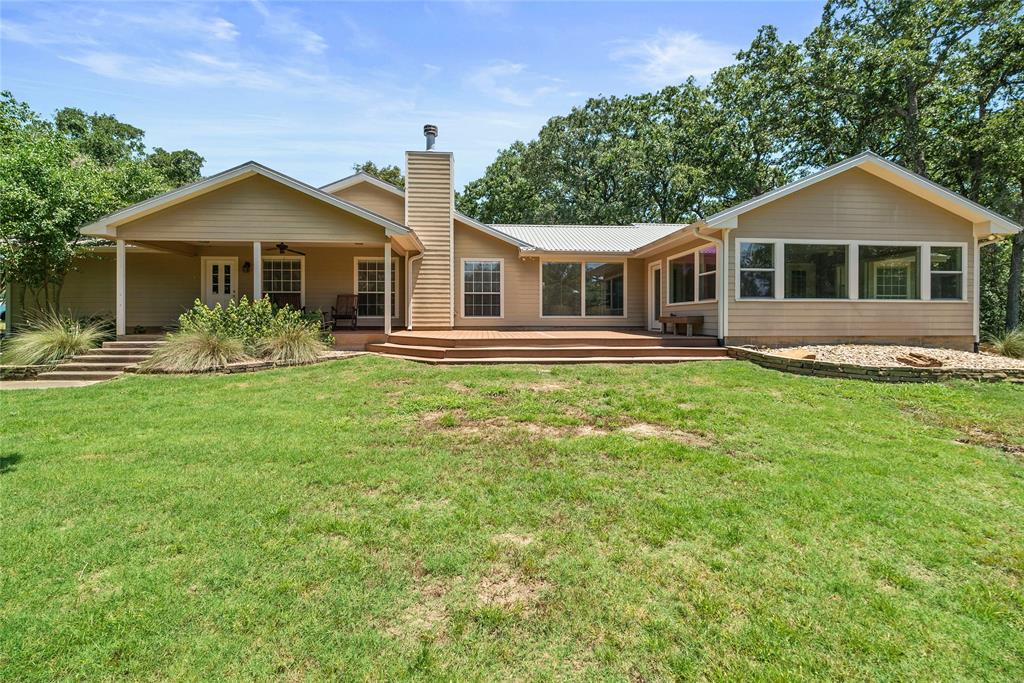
(377, 519)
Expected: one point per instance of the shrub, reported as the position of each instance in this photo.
(1009, 344)
(293, 341)
(196, 351)
(50, 337)
(247, 320)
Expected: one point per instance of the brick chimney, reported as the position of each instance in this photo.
(429, 210)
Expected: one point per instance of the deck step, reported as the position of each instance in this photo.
(560, 361)
(539, 339)
(547, 352)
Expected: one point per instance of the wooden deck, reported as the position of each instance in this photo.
(547, 346)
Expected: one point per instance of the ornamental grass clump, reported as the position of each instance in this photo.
(196, 351)
(293, 341)
(50, 337)
(1009, 344)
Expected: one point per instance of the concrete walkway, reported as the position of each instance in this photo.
(45, 383)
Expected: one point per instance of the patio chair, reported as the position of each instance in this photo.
(345, 308)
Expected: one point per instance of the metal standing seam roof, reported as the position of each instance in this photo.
(612, 239)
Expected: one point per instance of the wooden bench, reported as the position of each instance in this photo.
(693, 323)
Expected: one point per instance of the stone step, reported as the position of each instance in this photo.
(79, 374)
(90, 366)
(109, 358)
(121, 351)
(133, 344)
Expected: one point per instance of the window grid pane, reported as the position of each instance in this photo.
(482, 289)
(370, 289)
(282, 276)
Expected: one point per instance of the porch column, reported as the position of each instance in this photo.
(257, 271)
(387, 285)
(119, 306)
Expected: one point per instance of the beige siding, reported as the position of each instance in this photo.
(160, 287)
(522, 287)
(857, 206)
(253, 209)
(429, 213)
(375, 199)
(708, 309)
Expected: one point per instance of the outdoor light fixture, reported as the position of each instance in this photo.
(246, 267)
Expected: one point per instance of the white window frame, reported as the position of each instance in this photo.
(302, 273)
(853, 254)
(501, 288)
(583, 287)
(962, 272)
(395, 311)
(666, 281)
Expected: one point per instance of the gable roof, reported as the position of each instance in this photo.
(361, 177)
(886, 170)
(106, 226)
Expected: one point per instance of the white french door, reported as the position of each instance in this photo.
(654, 297)
(220, 280)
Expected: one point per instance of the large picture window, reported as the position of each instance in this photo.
(816, 271)
(370, 287)
(889, 272)
(570, 289)
(947, 272)
(481, 289)
(282, 280)
(757, 270)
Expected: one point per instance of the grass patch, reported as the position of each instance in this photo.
(382, 520)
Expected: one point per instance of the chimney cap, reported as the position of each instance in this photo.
(430, 129)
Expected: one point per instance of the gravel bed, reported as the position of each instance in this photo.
(883, 356)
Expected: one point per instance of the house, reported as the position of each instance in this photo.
(862, 251)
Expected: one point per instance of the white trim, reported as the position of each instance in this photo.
(395, 314)
(583, 288)
(119, 286)
(652, 324)
(204, 279)
(696, 276)
(462, 288)
(257, 271)
(853, 266)
(361, 177)
(302, 273)
(874, 164)
(389, 267)
(107, 225)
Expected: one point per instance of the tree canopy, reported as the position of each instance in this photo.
(57, 175)
(389, 174)
(934, 86)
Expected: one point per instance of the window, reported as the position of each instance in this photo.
(282, 280)
(682, 279)
(583, 289)
(757, 270)
(691, 276)
(561, 288)
(707, 261)
(889, 272)
(605, 288)
(481, 289)
(947, 272)
(816, 271)
(370, 287)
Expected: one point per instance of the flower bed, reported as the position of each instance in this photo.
(881, 363)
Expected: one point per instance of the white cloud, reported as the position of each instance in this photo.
(500, 80)
(671, 57)
(284, 24)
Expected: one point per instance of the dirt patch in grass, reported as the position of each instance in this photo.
(458, 422)
(975, 435)
(428, 615)
(519, 540)
(459, 388)
(505, 588)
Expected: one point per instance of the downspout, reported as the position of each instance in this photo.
(722, 246)
(408, 288)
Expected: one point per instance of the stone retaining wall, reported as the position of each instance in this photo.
(820, 368)
(13, 372)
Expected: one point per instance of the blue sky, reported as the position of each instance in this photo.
(311, 88)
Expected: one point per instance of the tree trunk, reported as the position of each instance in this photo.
(915, 153)
(1016, 263)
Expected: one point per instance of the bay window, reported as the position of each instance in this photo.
(589, 288)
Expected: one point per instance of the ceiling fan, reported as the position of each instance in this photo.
(282, 248)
